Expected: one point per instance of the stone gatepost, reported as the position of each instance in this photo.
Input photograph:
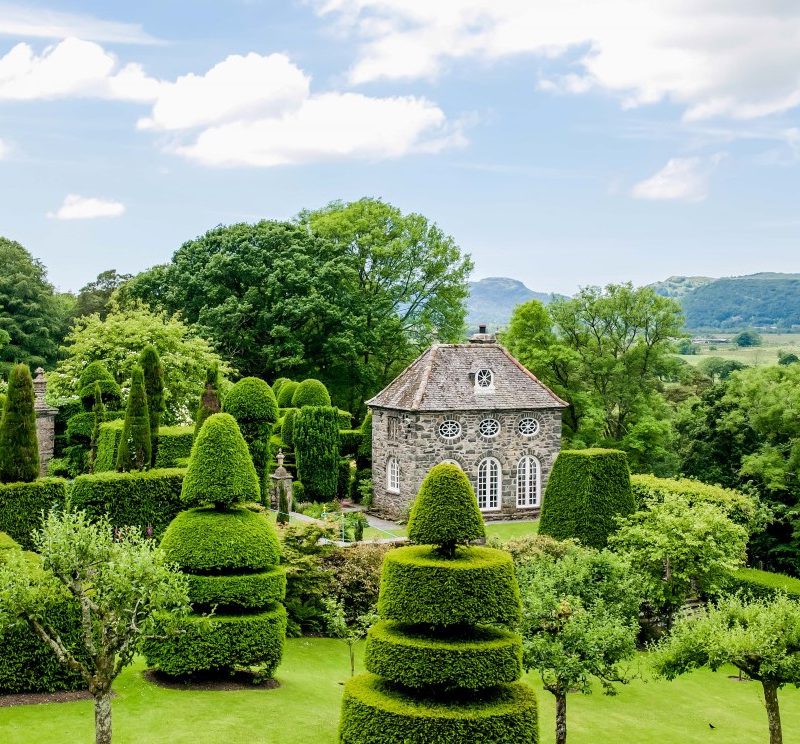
(280, 480)
(45, 421)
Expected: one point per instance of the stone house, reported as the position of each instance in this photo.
(473, 405)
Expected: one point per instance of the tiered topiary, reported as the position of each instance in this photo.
(587, 490)
(442, 668)
(154, 389)
(230, 555)
(135, 447)
(287, 393)
(98, 372)
(209, 400)
(252, 403)
(316, 449)
(19, 447)
(310, 393)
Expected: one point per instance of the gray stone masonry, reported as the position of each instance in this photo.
(45, 421)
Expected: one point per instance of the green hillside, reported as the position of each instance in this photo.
(679, 286)
(492, 300)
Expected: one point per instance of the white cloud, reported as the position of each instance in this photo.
(712, 57)
(71, 68)
(25, 21)
(77, 207)
(681, 179)
(4, 149)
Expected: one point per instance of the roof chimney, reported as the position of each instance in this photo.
(482, 336)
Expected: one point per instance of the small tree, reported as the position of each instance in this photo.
(135, 447)
(120, 583)
(99, 411)
(19, 447)
(210, 402)
(747, 338)
(350, 631)
(579, 620)
(150, 363)
(761, 638)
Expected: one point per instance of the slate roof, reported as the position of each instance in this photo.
(443, 379)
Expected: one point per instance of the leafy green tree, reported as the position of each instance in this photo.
(350, 631)
(747, 338)
(719, 368)
(761, 638)
(118, 341)
(95, 297)
(121, 582)
(210, 402)
(785, 357)
(19, 447)
(150, 363)
(135, 446)
(580, 619)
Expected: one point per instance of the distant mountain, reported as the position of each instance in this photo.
(492, 300)
(679, 286)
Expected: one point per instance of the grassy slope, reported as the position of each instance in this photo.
(306, 708)
(755, 356)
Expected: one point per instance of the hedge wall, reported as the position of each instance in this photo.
(22, 504)
(174, 444)
(764, 583)
(143, 498)
(350, 441)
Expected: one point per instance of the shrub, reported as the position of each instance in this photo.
(350, 441)
(365, 448)
(220, 471)
(97, 372)
(310, 393)
(135, 446)
(278, 384)
(287, 393)
(298, 491)
(99, 415)
(175, 445)
(146, 499)
(345, 419)
(362, 481)
(316, 446)
(210, 402)
(154, 390)
(22, 505)
(237, 590)
(19, 448)
(764, 584)
(358, 577)
(80, 428)
(344, 473)
(587, 490)
(287, 429)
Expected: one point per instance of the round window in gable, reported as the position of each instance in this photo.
(484, 379)
(489, 427)
(528, 427)
(449, 429)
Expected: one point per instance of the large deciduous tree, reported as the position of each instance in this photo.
(95, 297)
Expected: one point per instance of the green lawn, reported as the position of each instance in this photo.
(504, 530)
(306, 709)
(754, 356)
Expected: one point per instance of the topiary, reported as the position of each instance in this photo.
(316, 449)
(587, 490)
(99, 413)
(220, 471)
(278, 384)
(287, 393)
(97, 372)
(135, 447)
(287, 430)
(150, 363)
(19, 447)
(310, 393)
(448, 673)
(364, 454)
(209, 399)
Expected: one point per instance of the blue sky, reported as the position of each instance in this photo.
(565, 144)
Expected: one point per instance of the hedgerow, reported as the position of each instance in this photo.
(316, 447)
(764, 584)
(175, 445)
(349, 441)
(287, 428)
(22, 505)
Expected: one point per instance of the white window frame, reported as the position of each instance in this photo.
(484, 388)
(455, 436)
(493, 420)
(529, 484)
(490, 472)
(529, 418)
(393, 475)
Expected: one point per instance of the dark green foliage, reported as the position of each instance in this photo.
(210, 402)
(747, 338)
(310, 393)
(22, 505)
(278, 384)
(19, 448)
(95, 296)
(220, 643)
(375, 712)
(135, 446)
(287, 393)
(316, 446)
(97, 372)
(283, 505)
(587, 491)
(477, 586)
(99, 413)
(220, 471)
(175, 445)
(80, 428)
(249, 590)
(287, 430)
(445, 512)
(148, 499)
(785, 358)
(344, 473)
(206, 540)
(365, 448)
(764, 584)
(350, 441)
(345, 419)
(474, 658)
(150, 363)
(298, 491)
(362, 476)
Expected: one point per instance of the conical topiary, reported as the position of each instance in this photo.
(150, 363)
(210, 402)
(287, 393)
(230, 556)
(310, 393)
(99, 413)
(135, 448)
(19, 447)
(442, 666)
(98, 372)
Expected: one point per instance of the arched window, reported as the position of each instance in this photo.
(393, 475)
(489, 484)
(451, 462)
(528, 482)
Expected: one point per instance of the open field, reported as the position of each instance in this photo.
(305, 708)
(754, 356)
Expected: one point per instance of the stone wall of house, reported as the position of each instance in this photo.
(45, 421)
(413, 438)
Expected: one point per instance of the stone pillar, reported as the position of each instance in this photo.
(45, 421)
(280, 479)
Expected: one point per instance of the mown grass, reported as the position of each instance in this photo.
(753, 356)
(305, 708)
(502, 530)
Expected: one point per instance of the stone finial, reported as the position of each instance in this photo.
(280, 457)
(39, 386)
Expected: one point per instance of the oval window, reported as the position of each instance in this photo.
(528, 427)
(449, 429)
(489, 427)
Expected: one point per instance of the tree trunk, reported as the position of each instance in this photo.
(561, 718)
(102, 718)
(773, 712)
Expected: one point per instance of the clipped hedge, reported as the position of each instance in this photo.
(287, 393)
(345, 418)
(472, 659)
(587, 490)
(764, 584)
(79, 428)
(287, 427)
(174, 444)
(477, 586)
(237, 590)
(310, 393)
(142, 498)
(349, 441)
(375, 712)
(22, 504)
(316, 449)
(107, 444)
(219, 643)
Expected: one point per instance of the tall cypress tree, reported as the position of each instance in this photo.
(99, 411)
(210, 402)
(154, 389)
(135, 449)
(19, 447)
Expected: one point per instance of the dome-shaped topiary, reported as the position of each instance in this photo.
(97, 372)
(278, 384)
(287, 430)
(445, 512)
(287, 393)
(221, 471)
(311, 393)
(251, 399)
